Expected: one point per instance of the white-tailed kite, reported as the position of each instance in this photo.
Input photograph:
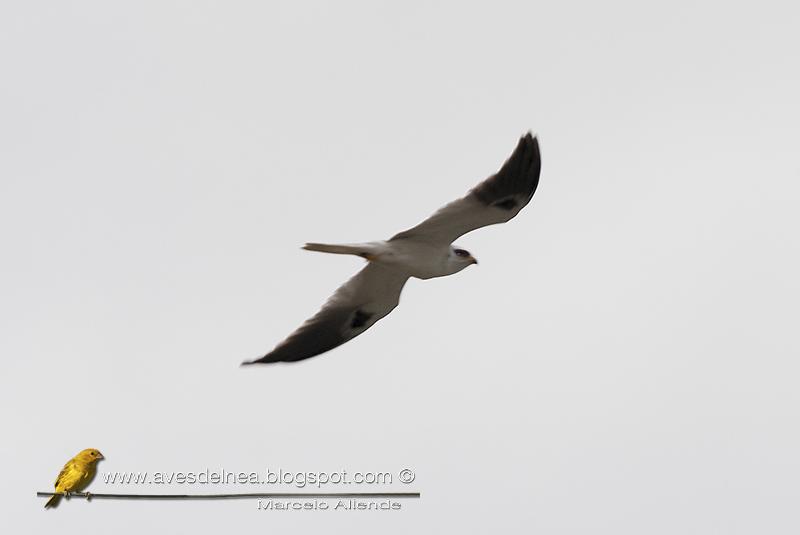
(425, 252)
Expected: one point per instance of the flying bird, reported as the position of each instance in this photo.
(76, 475)
(425, 251)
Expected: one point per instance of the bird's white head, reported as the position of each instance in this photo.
(459, 259)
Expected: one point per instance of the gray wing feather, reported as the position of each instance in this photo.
(495, 200)
(355, 307)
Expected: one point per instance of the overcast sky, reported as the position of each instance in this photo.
(622, 361)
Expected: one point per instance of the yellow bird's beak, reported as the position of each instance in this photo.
(474, 260)
(100, 456)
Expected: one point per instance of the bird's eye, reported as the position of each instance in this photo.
(461, 252)
(92, 453)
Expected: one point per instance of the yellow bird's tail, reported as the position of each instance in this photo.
(53, 501)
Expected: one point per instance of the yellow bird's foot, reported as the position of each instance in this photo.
(88, 496)
(68, 495)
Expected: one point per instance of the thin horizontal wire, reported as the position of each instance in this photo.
(92, 495)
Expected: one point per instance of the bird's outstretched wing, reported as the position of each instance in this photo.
(355, 307)
(495, 200)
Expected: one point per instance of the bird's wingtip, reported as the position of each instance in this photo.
(259, 360)
(530, 142)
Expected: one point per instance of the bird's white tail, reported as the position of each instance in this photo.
(355, 249)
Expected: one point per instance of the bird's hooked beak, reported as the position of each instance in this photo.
(473, 260)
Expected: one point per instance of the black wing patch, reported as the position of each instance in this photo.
(507, 204)
(360, 318)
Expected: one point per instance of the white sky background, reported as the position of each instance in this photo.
(622, 361)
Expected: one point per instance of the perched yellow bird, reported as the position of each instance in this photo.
(76, 474)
